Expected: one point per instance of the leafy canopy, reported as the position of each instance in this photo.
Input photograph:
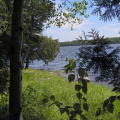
(69, 12)
(45, 48)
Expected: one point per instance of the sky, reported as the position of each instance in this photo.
(108, 29)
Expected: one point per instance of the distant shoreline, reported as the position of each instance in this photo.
(113, 40)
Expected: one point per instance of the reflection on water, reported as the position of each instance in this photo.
(60, 61)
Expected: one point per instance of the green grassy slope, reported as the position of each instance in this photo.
(38, 84)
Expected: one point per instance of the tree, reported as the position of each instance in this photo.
(5, 27)
(67, 12)
(35, 15)
(43, 48)
(102, 59)
(4, 57)
(107, 9)
(5, 16)
(37, 12)
(15, 100)
(4, 72)
(47, 50)
(97, 58)
(111, 10)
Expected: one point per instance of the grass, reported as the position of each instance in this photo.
(39, 84)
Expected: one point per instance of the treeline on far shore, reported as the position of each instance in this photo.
(113, 40)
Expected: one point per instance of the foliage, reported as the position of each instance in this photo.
(5, 16)
(4, 57)
(78, 108)
(4, 108)
(101, 58)
(107, 105)
(67, 12)
(37, 84)
(4, 89)
(101, 61)
(78, 42)
(35, 15)
(5, 48)
(43, 48)
(4, 80)
(105, 63)
(47, 50)
(107, 9)
(115, 40)
(36, 12)
(16, 49)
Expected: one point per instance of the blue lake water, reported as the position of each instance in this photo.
(60, 61)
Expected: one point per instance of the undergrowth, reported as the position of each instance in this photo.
(38, 85)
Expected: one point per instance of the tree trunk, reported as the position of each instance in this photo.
(15, 99)
(31, 37)
(26, 55)
(27, 61)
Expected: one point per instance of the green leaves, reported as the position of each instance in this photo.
(70, 66)
(67, 109)
(78, 87)
(84, 87)
(108, 103)
(45, 99)
(52, 98)
(70, 13)
(105, 103)
(98, 112)
(79, 95)
(71, 77)
(73, 64)
(62, 110)
(110, 108)
(118, 97)
(81, 72)
(83, 117)
(115, 89)
(85, 106)
(76, 106)
(112, 99)
(73, 113)
(71, 60)
(58, 104)
(84, 98)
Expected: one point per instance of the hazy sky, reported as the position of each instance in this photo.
(108, 29)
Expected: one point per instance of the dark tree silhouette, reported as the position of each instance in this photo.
(107, 9)
(98, 58)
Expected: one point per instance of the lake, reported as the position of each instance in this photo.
(60, 61)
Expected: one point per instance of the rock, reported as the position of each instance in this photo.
(87, 79)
